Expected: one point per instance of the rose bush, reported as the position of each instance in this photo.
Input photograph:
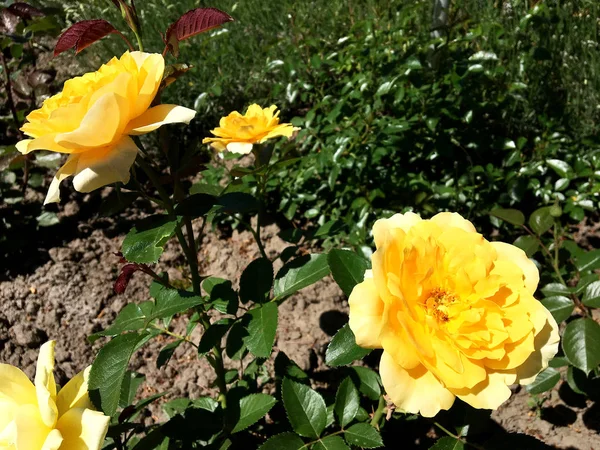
(454, 314)
(93, 117)
(36, 417)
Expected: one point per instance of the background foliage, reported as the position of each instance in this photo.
(497, 119)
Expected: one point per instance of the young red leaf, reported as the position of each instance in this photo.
(192, 23)
(24, 11)
(83, 34)
(127, 272)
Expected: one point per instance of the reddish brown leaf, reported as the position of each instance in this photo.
(127, 272)
(83, 34)
(25, 11)
(192, 23)
(8, 21)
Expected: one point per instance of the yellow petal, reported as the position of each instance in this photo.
(285, 129)
(45, 385)
(67, 170)
(15, 386)
(240, 148)
(150, 75)
(100, 125)
(382, 227)
(366, 314)
(31, 431)
(546, 346)
(8, 428)
(46, 142)
(416, 391)
(105, 166)
(158, 116)
(83, 429)
(531, 274)
(74, 394)
(455, 220)
(53, 441)
(490, 393)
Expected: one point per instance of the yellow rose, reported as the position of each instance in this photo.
(454, 314)
(93, 116)
(37, 418)
(237, 133)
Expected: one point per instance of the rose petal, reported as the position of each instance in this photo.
(105, 166)
(158, 116)
(83, 429)
(416, 391)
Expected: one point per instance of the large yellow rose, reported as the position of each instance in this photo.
(92, 118)
(36, 417)
(454, 314)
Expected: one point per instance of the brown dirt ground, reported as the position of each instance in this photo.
(64, 292)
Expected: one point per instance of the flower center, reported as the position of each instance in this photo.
(437, 303)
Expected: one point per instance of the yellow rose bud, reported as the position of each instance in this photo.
(94, 115)
(237, 133)
(36, 417)
(454, 314)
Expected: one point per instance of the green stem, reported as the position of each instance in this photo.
(378, 412)
(175, 335)
(458, 438)
(139, 41)
(192, 259)
(308, 444)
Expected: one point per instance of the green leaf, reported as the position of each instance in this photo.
(256, 281)
(512, 216)
(108, 371)
(528, 244)
(363, 435)
(300, 273)
(129, 388)
(342, 349)
(235, 346)
(348, 269)
(131, 318)
(305, 408)
(581, 344)
(213, 335)
(545, 381)
(541, 220)
(588, 261)
(261, 330)
(367, 380)
(331, 443)
(145, 242)
(283, 441)
(166, 353)
(555, 289)
(222, 296)
(347, 402)
(591, 297)
(330, 228)
(172, 301)
(196, 205)
(559, 306)
(238, 202)
(562, 168)
(252, 409)
(448, 443)
(47, 219)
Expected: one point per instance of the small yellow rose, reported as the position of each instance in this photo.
(39, 418)
(454, 314)
(237, 133)
(93, 116)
